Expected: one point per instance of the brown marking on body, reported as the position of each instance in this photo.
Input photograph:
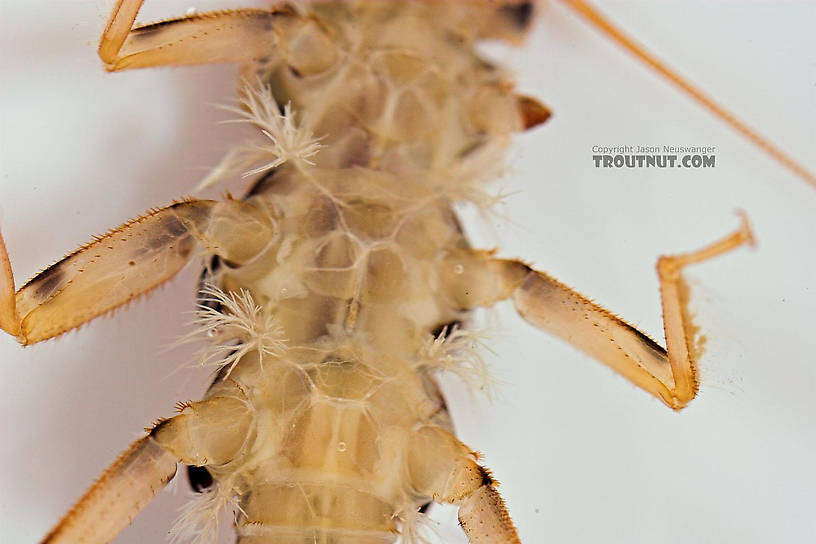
(48, 281)
(533, 112)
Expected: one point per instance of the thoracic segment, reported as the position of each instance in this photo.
(343, 432)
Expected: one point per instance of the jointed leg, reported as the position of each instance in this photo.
(8, 311)
(126, 487)
(444, 469)
(119, 24)
(100, 276)
(484, 518)
(224, 36)
(681, 342)
(207, 432)
(126, 263)
(669, 374)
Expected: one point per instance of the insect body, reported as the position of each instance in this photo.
(325, 150)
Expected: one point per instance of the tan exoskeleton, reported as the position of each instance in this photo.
(334, 273)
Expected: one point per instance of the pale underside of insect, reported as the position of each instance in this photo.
(477, 444)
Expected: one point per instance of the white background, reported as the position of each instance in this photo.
(582, 455)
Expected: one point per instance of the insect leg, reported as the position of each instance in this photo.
(207, 432)
(445, 469)
(484, 517)
(223, 36)
(8, 311)
(669, 374)
(473, 279)
(212, 431)
(125, 263)
(126, 487)
(106, 273)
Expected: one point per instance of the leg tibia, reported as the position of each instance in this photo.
(668, 374)
(9, 321)
(121, 21)
(681, 340)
